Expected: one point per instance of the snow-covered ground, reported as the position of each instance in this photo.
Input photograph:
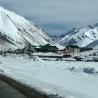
(67, 79)
(47, 54)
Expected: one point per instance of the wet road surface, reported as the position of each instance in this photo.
(6, 91)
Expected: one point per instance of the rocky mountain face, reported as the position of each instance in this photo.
(84, 37)
(16, 32)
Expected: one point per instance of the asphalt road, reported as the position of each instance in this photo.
(6, 91)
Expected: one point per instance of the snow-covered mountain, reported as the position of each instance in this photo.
(16, 31)
(83, 37)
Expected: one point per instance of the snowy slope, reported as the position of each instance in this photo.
(81, 36)
(17, 31)
(66, 79)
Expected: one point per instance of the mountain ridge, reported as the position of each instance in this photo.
(19, 31)
(82, 36)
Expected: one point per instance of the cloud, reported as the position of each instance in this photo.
(58, 12)
(54, 28)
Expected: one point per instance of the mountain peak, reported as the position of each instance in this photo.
(19, 31)
(82, 37)
(1, 8)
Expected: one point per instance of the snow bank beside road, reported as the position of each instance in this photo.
(53, 77)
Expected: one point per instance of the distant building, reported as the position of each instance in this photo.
(70, 49)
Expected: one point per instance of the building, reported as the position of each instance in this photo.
(70, 49)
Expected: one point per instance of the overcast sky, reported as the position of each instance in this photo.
(55, 16)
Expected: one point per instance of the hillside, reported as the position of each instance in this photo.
(83, 37)
(16, 31)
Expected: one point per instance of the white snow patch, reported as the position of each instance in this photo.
(53, 77)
